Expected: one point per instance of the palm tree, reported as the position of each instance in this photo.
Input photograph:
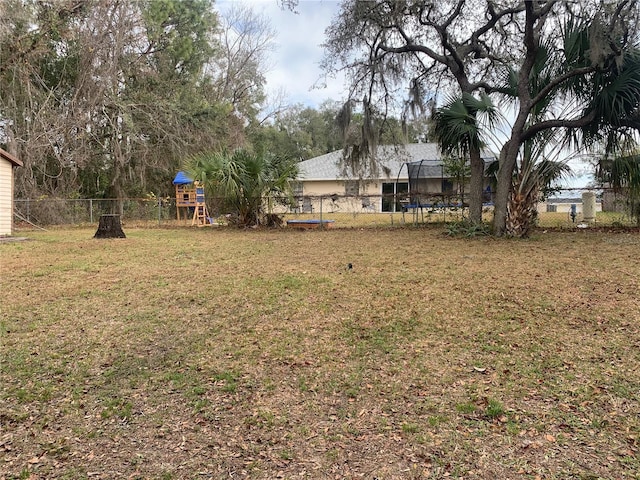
(247, 184)
(599, 107)
(622, 173)
(532, 181)
(534, 171)
(616, 109)
(608, 101)
(458, 128)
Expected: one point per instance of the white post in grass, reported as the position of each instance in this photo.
(589, 207)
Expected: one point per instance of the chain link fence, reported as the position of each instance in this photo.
(306, 211)
(78, 211)
(330, 211)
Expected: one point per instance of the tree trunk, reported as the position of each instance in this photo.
(521, 213)
(109, 227)
(476, 187)
(507, 160)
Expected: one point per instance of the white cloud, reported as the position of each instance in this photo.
(295, 62)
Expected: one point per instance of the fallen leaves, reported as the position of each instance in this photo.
(383, 371)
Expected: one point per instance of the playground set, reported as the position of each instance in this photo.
(190, 200)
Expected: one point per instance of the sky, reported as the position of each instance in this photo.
(295, 60)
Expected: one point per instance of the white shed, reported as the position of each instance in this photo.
(7, 163)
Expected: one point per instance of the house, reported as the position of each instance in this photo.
(566, 205)
(7, 163)
(406, 176)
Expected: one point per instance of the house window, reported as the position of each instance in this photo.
(352, 188)
(552, 208)
(296, 192)
(393, 194)
(307, 206)
(296, 189)
(447, 186)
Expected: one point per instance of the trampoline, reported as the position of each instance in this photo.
(431, 189)
(310, 223)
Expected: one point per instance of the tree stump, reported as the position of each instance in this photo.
(109, 227)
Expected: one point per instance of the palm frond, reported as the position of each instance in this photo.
(620, 172)
(242, 180)
(615, 102)
(460, 123)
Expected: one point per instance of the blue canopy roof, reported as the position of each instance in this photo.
(182, 179)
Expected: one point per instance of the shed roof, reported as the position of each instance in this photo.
(10, 158)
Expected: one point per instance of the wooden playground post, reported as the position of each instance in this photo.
(190, 196)
(200, 214)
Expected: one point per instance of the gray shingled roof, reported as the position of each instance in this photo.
(392, 160)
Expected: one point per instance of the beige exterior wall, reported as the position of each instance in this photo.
(319, 199)
(331, 187)
(316, 195)
(314, 189)
(326, 204)
(6, 197)
(431, 185)
(562, 207)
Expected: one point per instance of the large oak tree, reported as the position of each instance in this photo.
(417, 50)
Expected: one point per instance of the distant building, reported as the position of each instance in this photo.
(412, 174)
(563, 205)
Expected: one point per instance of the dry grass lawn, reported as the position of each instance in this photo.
(217, 353)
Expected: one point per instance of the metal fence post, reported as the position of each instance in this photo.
(159, 210)
(91, 210)
(321, 225)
